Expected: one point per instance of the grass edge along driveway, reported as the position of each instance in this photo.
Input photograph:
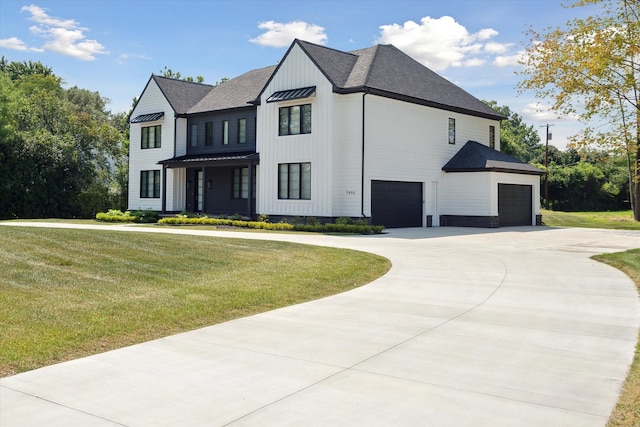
(69, 293)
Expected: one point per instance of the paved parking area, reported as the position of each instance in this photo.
(471, 327)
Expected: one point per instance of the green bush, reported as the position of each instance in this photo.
(114, 215)
(279, 226)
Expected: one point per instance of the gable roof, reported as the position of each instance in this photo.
(387, 71)
(476, 157)
(234, 93)
(181, 94)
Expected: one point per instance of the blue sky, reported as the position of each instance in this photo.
(113, 46)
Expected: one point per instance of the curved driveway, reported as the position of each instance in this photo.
(509, 327)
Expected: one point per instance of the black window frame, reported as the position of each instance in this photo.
(145, 143)
(193, 135)
(225, 132)
(302, 194)
(452, 131)
(238, 183)
(208, 134)
(492, 136)
(242, 130)
(286, 126)
(144, 184)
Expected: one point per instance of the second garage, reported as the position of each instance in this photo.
(396, 203)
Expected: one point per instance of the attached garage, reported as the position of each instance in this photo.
(514, 204)
(396, 204)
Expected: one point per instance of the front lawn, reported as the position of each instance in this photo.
(622, 220)
(70, 293)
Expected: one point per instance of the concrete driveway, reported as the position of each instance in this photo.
(509, 327)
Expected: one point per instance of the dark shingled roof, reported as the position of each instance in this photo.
(181, 94)
(234, 93)
(476, 157)
(387, 71)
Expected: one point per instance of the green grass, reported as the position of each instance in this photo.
(70, 293)
(621, 220)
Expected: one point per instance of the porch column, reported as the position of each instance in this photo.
(204, 191)
(164, 188)
(250, 190)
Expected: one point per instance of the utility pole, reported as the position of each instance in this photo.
(546, 166)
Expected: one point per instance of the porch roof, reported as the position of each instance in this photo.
(209, 159)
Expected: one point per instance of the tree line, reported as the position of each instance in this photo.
(62, 153)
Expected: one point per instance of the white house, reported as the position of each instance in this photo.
(370, 133)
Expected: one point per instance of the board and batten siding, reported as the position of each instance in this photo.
(296, 71)
(409, 142)
(151, 101)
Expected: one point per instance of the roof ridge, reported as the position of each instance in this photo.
(181, 80)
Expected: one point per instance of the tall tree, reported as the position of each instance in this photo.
(592, 69)
(517, 139)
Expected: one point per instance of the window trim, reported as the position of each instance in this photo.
(208, 134)
(452, 131)
(492, 136)
(242, 130)
(155, 184)
(305, 117)
(304, 186)
(145, 143)
(193, 135)
(240, 183)
(225, 132)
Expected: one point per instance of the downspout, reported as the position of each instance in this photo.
(362, 158)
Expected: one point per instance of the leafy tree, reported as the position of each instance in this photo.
(517, 138)
(168, 72)
(59, 149)
(592, 69)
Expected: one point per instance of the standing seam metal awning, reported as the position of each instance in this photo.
(147, 117)
(291, 94)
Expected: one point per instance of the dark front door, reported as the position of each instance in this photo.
(396, 203)
(514, 204)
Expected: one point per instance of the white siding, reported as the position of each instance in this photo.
(151, 101)
(296, 71)
(468, 193)
(408, 142)
(347, 155)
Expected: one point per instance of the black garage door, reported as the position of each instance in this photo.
(514, 204)
(396, 204)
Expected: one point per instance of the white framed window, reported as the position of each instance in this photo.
(241, 183)
(242, 131)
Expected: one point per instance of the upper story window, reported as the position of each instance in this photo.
(452, 131)
(492, 137)
(295, 120)
(208, 134)
(193, 135)
(225, 132)
(242, 131)
(151, 136)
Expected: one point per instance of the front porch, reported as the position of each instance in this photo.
(212, 184)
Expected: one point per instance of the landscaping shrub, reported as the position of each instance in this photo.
(114, 215)
(279, 226)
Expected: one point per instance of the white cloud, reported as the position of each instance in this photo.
(280, 35)
(438, 43)
(474, 62)
(64, 36)
(15, 43)
(125, 57)
(508, 60)
(540, 112)
(493, 47)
